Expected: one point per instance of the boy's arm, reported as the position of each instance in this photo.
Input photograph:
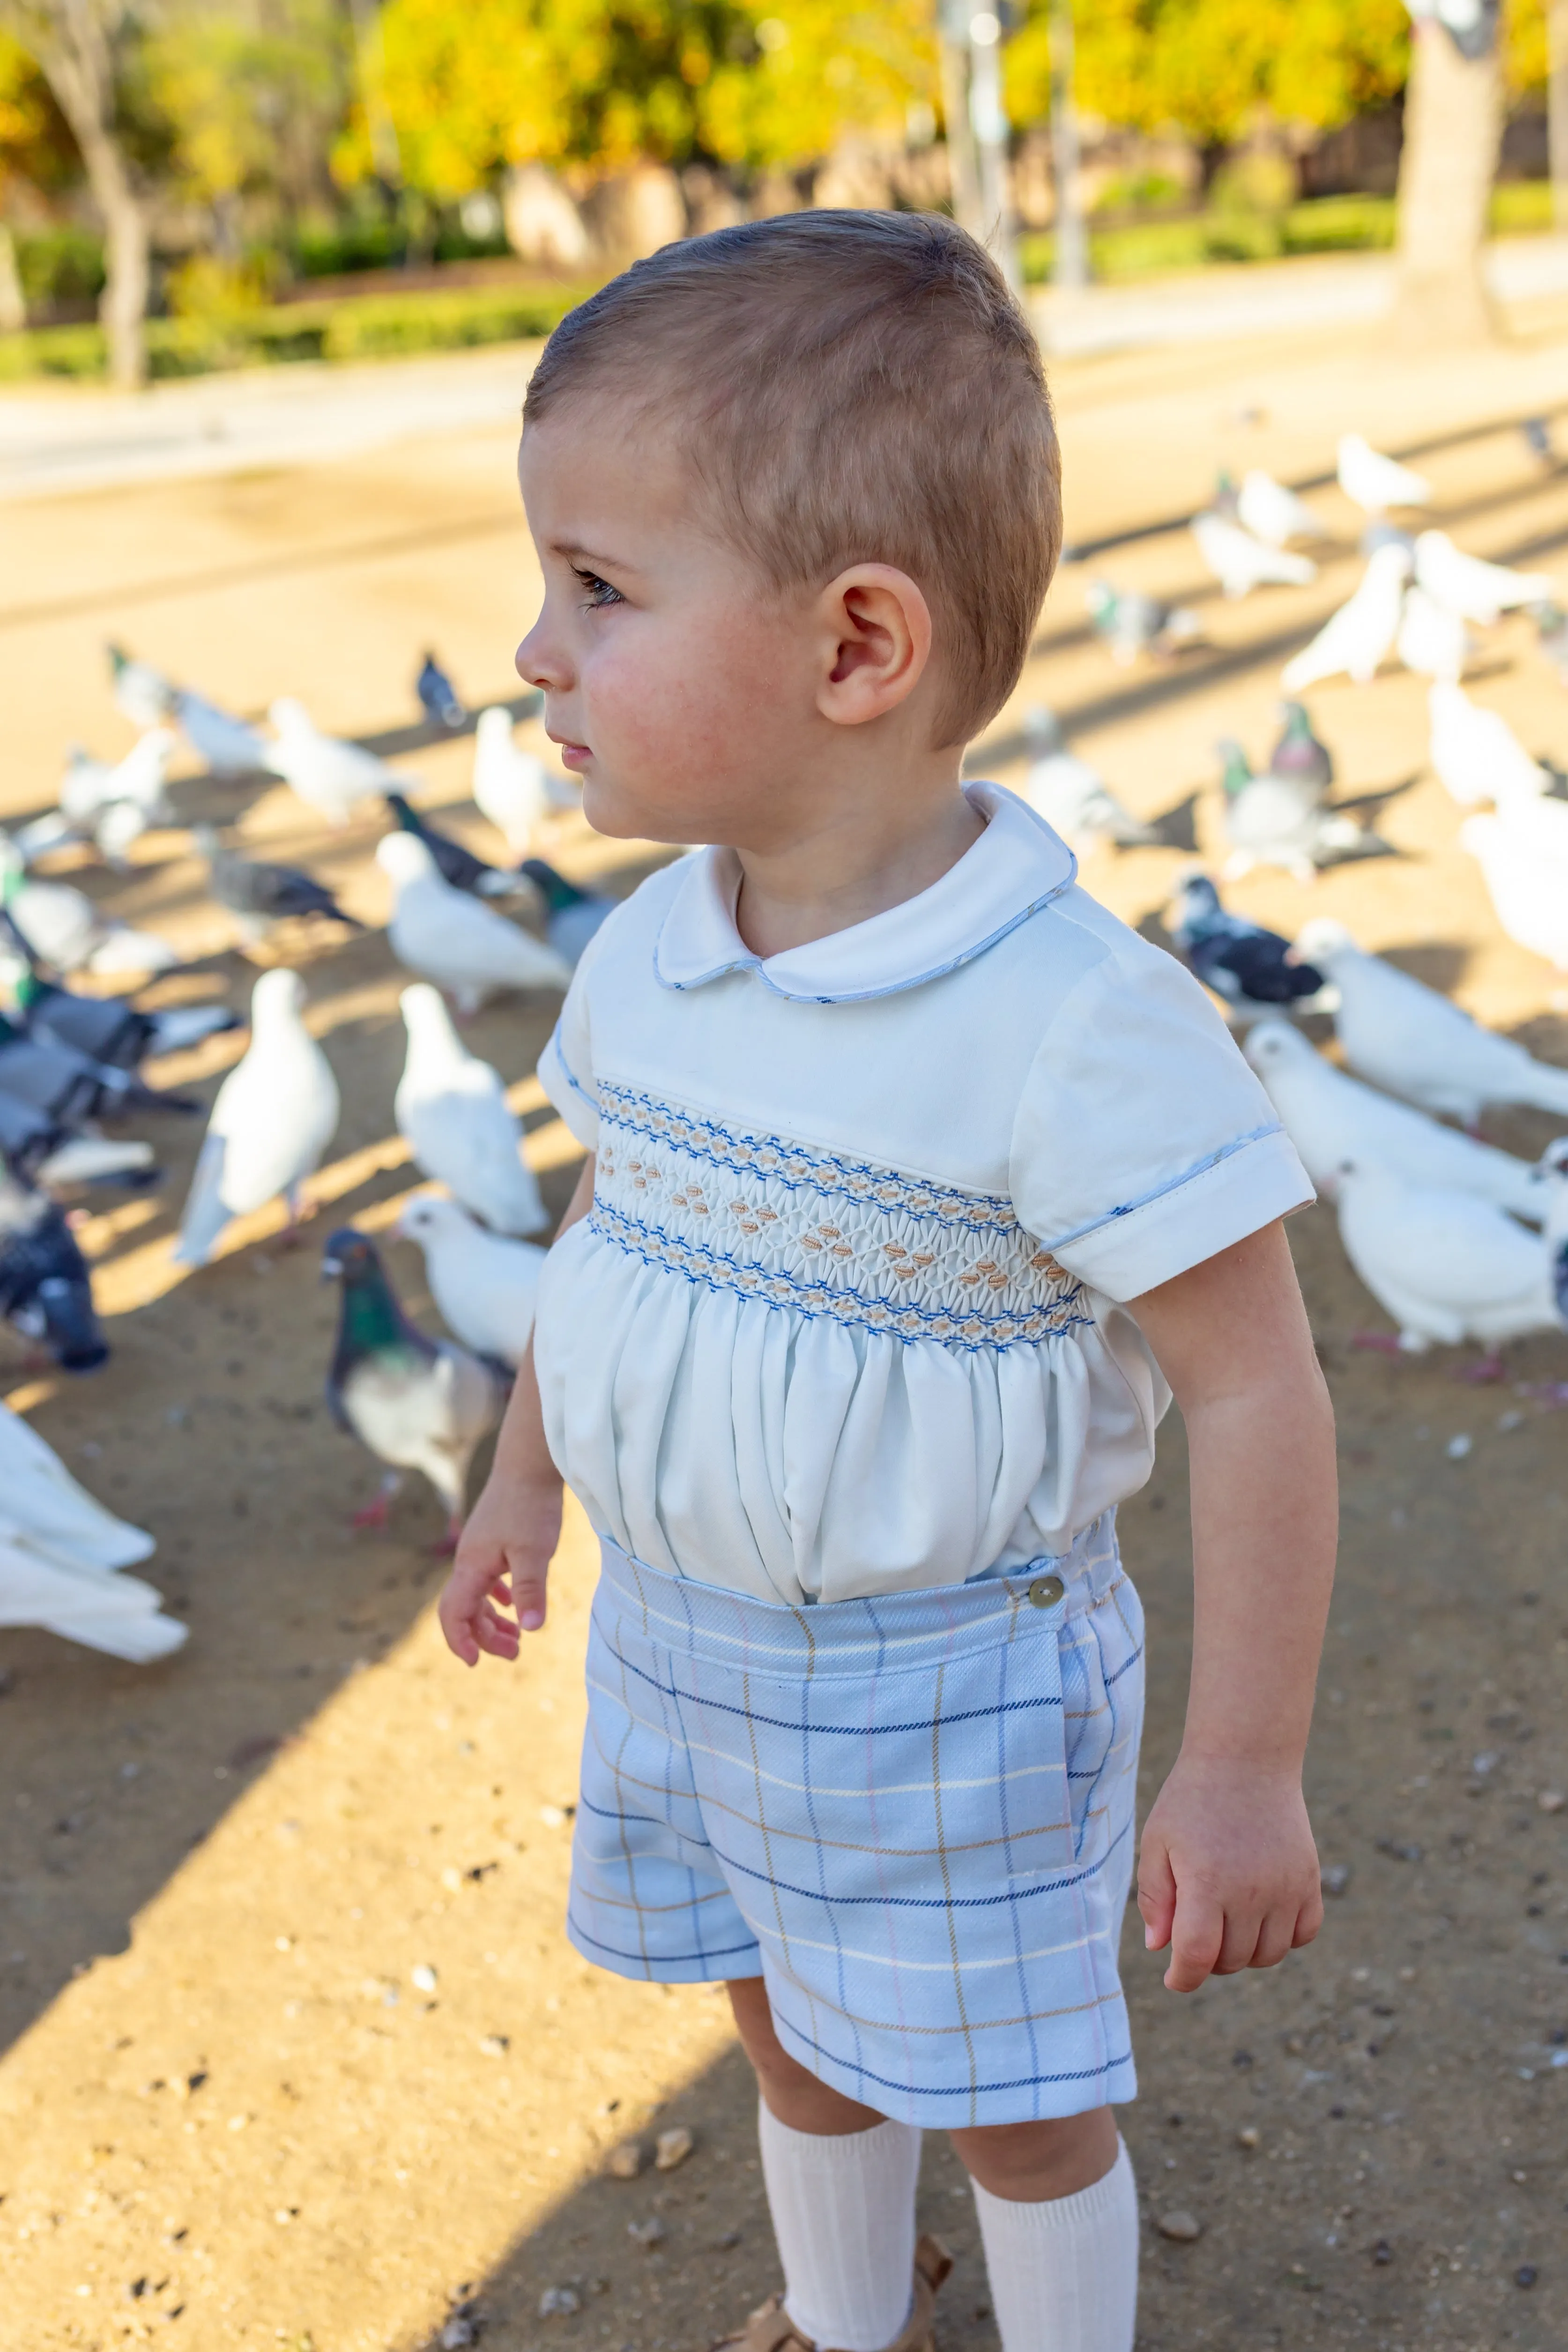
(1228, 1872)
(510, 1539)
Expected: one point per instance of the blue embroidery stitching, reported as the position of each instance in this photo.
(798, 1166)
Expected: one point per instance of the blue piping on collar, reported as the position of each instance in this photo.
(753, 963)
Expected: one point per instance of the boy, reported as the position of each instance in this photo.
(917, 1185)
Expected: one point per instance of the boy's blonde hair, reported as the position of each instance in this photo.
(850, 388)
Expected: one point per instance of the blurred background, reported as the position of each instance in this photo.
(293, 2052)
(193, 183)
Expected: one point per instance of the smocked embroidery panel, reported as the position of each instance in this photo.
(826, 1235)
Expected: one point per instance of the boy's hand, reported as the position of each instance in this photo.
(503, 1559)
(1228, 1872)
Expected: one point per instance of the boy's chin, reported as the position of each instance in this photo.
(621, 817)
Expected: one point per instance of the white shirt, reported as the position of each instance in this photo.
(845, 1317)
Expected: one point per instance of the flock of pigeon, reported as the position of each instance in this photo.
(70, 1060)
(1457, 1241)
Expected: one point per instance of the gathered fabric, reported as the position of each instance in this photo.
(847, 1312)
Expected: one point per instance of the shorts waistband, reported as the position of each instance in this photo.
(878, 1632)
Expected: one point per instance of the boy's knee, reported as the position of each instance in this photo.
(1031, 2164)
(791, 2091)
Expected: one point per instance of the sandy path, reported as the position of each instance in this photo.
(214, 1876)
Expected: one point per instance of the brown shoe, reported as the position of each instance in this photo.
(771, 2328)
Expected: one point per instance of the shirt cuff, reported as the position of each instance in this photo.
(1137, 1249)
(569, 1094)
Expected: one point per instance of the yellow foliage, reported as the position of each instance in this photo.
(1208, 66)
(601, 82)
(1524, 58)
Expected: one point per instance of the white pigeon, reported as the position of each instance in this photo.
(456, 939)
(63, 928)
(59, 1551)
(1447, 1266)
(1475, 753)
(1070, 795)
(141, 692)
(1359, 636)
(1240, 562)
(90, 786)
(1332, 1119)
(1432, 641)
(273, 1118)
(1375, 482)
(1475, 590)
(482, 1284)
(1527, 885)
(512, 788)
(1271, 511)
(452, 1111)
(230, 746)
(1412, 1041)
(328, 773)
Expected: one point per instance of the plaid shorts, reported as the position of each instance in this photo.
(911, 1814)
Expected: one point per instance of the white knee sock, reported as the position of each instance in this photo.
(1064, 2273)
(843, 2214)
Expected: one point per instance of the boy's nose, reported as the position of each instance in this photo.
(538, 664)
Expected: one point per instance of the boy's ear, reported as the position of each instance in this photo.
(875, 643)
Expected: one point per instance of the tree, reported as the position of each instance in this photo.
(252, 97)
(604, 84)
(88, 53)
(1453, 127)
(1208, 68)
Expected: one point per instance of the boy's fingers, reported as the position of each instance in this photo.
(1275, 1938)
(529, 1598)
(1309, 1919)
(1196, 1935)
(1157, 1895)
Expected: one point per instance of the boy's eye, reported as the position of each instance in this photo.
(596, 590)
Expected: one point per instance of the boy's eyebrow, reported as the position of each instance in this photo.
(576, 553)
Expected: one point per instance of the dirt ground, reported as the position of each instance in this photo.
(228, 2115)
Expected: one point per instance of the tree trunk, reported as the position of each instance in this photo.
(76, 55)
(123, 306)
(968, 210)
(1557, 107)
(1071, 266)
(1453, 126)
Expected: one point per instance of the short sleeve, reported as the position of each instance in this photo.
(566, 1066)
(1144, 1144)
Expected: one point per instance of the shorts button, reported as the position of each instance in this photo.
(1046, 1592)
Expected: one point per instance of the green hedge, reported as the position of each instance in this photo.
(360, 326)
(1326, 225)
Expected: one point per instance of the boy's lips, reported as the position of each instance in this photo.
(572, 755)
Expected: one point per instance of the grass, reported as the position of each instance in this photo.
(1325, 225)
(384, 326)
(350, 327)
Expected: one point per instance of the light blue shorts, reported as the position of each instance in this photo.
(912, 1816)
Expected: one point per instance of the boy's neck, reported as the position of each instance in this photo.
(867, 856)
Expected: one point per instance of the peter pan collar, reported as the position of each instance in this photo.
(1017, 865)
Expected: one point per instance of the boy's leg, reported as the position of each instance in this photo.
(1058, 2214)
(841, 2189)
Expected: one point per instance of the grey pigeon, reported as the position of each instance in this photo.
(1253, 969)
(572, 916)
(454, 863)
(44, 1289)
(70, 1086)
(416, 1404)
(260, 894)
(438, 698)
(1299, 752)
(1133, 624)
